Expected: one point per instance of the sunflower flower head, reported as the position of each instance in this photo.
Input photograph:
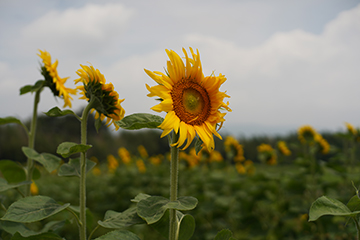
(192, 102)
(107, 102)
(306, 134)
(324, 145)
(351, 129)
(267, 154)
(283, 148)
(52, 79)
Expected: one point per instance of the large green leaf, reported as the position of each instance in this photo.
(49, 161)
(139, 121)
(32, 88)
(5, 186)
(186, 223)
(328, 206)
(32, 209)
(140, 197)
(115, 220)
(12, 171)
(13, 227)
(67, 149)
(119, 234)
(8, 120)
(153, 208)
(224, 234)
(73, 167)
(42, 236)
(57, 112)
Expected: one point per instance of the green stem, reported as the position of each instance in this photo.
(83, 171)
(32, 133)
(357, 227)
(92, 232)
(173, 231)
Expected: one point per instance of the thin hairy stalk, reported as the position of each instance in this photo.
(174, 164)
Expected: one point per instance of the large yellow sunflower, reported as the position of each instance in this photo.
(52, 79)
(107, 99)
(191, 101)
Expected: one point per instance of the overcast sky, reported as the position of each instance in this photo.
(287, 63)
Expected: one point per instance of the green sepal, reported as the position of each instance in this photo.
(67, 149)
(186, 224)
(13, 227)
(140, 120)
(4, 185)
(152, 209)
(328, 206)
(32, 209)
(57, 112)
(12, 171)
(49, 161)
(32, 88)
(224, 234)
(73, 167)
(42, 236)
(198, 145)
(123, 219)
(119, 234)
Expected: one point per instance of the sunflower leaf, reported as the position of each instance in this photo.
(5, 186)
(57, 112)
(73, 167)
(8, 120)
(12, 171)
(224, 234)
(32, 88)
(140, 120)
(118, 234)
(49, 161)
(67, 149)
(123, 219)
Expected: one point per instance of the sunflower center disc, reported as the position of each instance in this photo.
(191, 102)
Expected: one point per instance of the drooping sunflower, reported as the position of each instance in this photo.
(306, 134)
(191, 101)
(324, 145)
(283, 148)
(351, 129)
(107, 102)
(52, 79)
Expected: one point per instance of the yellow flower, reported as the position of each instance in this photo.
(112, 163)
(142, 151)
(156, 160)
(52, 79)
(141, 166)
(34, 188)
(283, 148)
(351, 129)
(267, 153)
(306, 134)
(124, 155)
(191, 101)
(324, 145)
(231, 144)
(240, 168)
(215, 156)
(107, 99)
(96, 171)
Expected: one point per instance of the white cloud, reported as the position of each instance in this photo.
(86, 30)
(293, 76)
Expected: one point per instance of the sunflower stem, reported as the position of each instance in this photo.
(31, 143)
(174, 164)
(84, 118)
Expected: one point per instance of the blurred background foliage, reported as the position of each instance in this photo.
(254, 198)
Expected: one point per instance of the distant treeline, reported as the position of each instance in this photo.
(53, 131)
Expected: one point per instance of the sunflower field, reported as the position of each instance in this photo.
(169, 178)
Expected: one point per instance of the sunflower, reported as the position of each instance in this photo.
(306, 134)
(52, 79)
(267, 153)
(324, 145)
(107, 104)
(191, 101)
(351, 129)
(283, 148)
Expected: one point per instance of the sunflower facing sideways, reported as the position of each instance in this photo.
(107, 102)
(52, 79)
(191, 101)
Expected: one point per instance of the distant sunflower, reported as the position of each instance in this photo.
(52, 79)
(324, 145)
(283, 148)
(107, 103)
(351, 129)
(191, 101)
(306, 134)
